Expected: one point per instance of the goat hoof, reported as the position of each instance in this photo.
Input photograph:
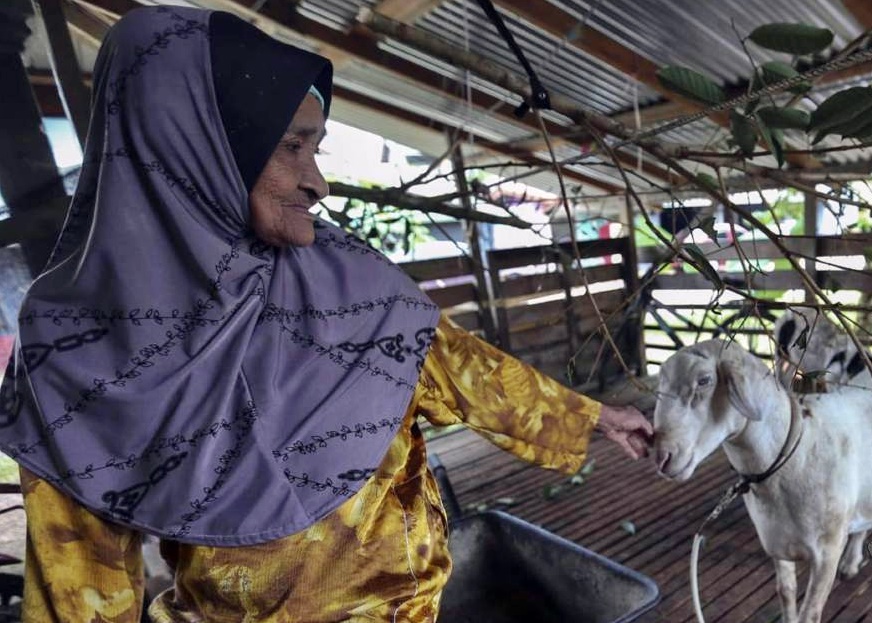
(848, 572)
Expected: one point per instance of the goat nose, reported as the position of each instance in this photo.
(663, 458)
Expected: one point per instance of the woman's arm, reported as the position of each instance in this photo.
(466, 380)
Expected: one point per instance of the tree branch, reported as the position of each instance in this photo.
(431, 205)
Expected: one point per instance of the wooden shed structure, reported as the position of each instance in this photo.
(434, 73)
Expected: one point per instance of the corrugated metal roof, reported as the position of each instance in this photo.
(590, 82)
(700, 34)
(693, 33)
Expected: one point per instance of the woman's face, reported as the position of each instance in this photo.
(291, 183)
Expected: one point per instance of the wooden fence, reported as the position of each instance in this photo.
(836, 264)
(543, 306)
(546, 305)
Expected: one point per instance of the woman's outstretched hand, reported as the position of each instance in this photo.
(628, 428)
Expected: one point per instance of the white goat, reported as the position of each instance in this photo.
(809, 342)
(819, 503)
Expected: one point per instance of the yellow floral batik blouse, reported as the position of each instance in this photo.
(382, 556)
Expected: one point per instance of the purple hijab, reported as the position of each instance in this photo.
(172, 372)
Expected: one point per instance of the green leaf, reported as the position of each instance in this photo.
(709, 182)
(840, 110)
(744, 133)
(793, 39)
(788, 118)
(775, 141)
(708, 226)
(587, 468)
(691, 84)
(628, 526)
(578, 479)
(506, 501)
(550, 492)
(802, 338)
(701, 263)
(776, 71)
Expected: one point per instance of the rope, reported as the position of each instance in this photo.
(741, 487)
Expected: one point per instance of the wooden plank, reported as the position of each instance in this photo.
(453, 295)
(440, 268)
(694, 281)
(524, 256)
(406, 11)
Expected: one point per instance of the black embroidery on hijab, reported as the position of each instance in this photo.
(304, 481)
(102, 318)
(75, 226)
(176, 443)
(274, 313)
(357, 474)
(36, 354)
(345, 433)
(395, 346)
(335, 356)
(10, 400)
(353, 244)
(187, 324)
(123, 503)
(190, 189)
(183, 29)
(243, 424)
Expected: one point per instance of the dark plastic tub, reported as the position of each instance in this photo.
(507, 570)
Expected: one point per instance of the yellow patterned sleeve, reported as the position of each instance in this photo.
(466, 380)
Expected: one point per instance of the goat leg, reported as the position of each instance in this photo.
(785, 582)
(822, 573)
(852, 558)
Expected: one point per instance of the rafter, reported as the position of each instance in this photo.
(406, 11)
(560, 24)
(861, 10)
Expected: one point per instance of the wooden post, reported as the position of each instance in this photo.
(28, 174)
(567, 273)
(68, 77)
(636, 310)
(485, 300)
(811, 226)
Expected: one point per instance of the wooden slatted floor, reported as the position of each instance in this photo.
(737, 579)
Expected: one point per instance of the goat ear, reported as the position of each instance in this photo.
(739, 389)
(785, 334)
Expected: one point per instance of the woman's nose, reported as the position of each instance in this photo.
(313, 182)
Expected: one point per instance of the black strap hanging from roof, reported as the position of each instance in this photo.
(539, 97)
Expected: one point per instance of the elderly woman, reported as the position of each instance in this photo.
(205, 361)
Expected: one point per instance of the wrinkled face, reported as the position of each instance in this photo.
(692, 417)
(291, 183)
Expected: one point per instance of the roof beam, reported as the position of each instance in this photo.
(497, 148)
(86, 23)
(406, 11)
(65, 67)
(561, 24)
(861, 10)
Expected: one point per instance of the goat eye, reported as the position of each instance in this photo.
(703, 381)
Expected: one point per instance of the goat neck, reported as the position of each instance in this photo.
(756, 447)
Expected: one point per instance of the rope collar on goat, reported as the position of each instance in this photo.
(791, 443)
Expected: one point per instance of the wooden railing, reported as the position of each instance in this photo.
(679, 321)
(545, 305)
